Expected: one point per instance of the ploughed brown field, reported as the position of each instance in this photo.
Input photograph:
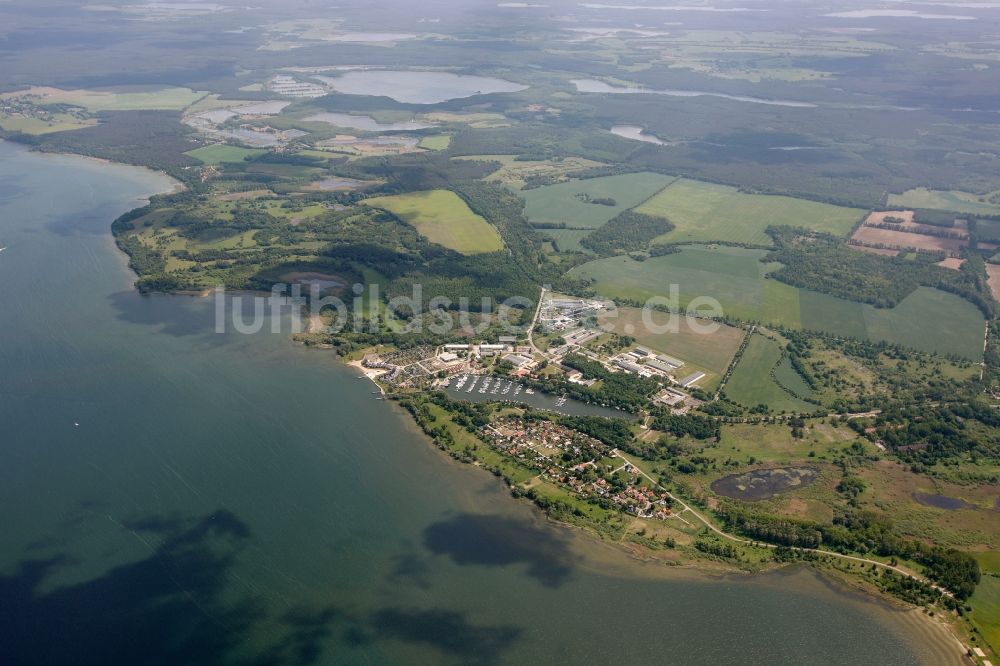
(916, 235)
(993, 270)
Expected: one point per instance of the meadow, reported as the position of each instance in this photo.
(951, 200)
(737, 279)
(773, 443)
(751, 383)
(708, 212)
(568, 240)
(986, 607)
(219, 153)
(443, 218)
(435, 142)
(564, 203)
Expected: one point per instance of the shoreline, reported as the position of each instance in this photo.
(177, 186)
(599, 555)
(949, 641)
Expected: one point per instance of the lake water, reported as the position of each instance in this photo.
(942, 501)
(595, 86)
(636, 133)
(170, 495)
(416, 87)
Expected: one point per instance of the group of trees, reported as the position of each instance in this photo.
(681, 425)
(626, 232)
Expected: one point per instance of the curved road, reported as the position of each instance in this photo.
(737, 539)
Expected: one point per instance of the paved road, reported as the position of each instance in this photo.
(534, 320)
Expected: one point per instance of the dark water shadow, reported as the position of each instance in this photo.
(175, 315)
(942, 501)
(496, 541)
(411, 569)
(448, 631)
(92, 222)
(164, 609)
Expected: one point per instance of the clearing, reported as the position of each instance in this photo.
(435, 142)
(576, 203)
(443, 218)
(220, 152)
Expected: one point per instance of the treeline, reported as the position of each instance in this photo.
(821, 262)
(626, 232)
(861, 532)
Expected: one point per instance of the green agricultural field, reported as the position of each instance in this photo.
(951, 200)
(168, 99)
(737, 279)
(988, 230)
(564, 203)
(789, 378)
(569, 239)
(708, 212)
(751, 383)
(220, 152)
(709, 352)
(436, 142)
(986, 609)
(443, 218)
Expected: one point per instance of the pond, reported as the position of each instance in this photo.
(595, 86)
(942, 501)
(338, 184)
(636, 133)
(494, 389)
(418, 87)
(761, 484)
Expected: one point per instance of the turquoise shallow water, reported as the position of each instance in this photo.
(169, 495)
